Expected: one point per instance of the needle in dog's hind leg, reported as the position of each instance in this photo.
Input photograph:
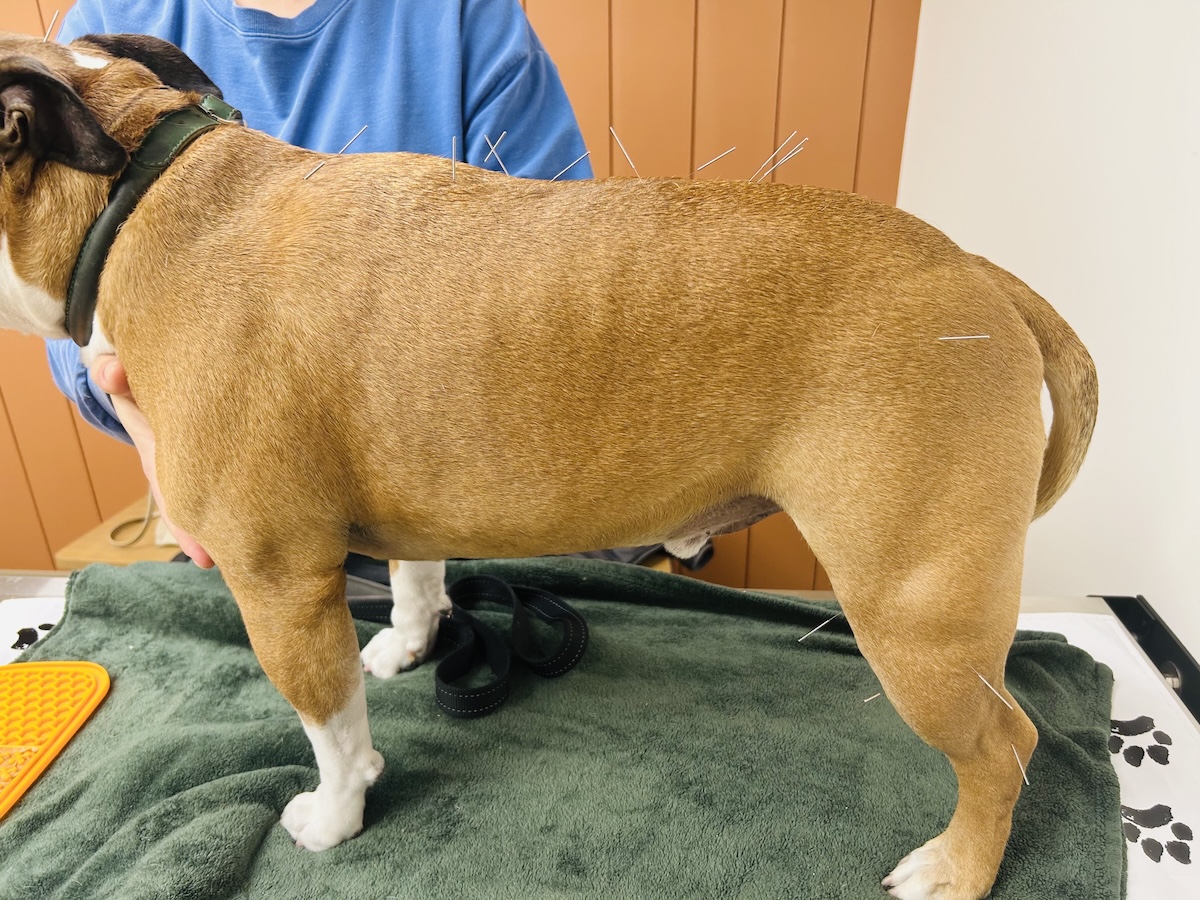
(818, 628)
(992, 689)
(51, 28)
(1019, 763)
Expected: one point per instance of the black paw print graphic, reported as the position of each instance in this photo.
(1134, 753)
(27, 637)
(1153, 819)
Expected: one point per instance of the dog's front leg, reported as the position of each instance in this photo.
(419, 601)
(302, 633)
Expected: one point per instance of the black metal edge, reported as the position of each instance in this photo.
(1169, 656)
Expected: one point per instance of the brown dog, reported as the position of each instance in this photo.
(388, 358)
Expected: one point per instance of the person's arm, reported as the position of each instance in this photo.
(511, 84)
(109, 373)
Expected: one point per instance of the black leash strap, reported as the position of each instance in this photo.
(469, 643)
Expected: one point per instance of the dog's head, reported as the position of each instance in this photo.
(69, 117)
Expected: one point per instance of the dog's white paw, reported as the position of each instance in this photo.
(313, 826)
(318, 820)
(401, 647)
(419, 601)
(928, 873)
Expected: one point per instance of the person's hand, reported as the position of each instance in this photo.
(109, 374)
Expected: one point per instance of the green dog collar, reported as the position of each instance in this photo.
(166, 140)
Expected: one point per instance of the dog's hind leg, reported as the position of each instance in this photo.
(419, 601)
(933, 629)
(302, 633)
(937, 638)
(927, 567)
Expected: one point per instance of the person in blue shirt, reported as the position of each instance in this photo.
(422, 75)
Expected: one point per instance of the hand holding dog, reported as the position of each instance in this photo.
(109, 374)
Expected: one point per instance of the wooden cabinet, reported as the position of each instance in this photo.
(680, 81)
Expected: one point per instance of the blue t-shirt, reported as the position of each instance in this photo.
(416, 72)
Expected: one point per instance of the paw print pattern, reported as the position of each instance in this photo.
(1135, 753)
(27, 637)
(1138, 822)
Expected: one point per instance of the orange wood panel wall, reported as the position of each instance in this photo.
(58, 475)
(680, 81)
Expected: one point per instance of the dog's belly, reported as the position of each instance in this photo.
(519, 535)
(731, 516)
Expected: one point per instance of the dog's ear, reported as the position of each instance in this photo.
(43, 116)
(171, 66)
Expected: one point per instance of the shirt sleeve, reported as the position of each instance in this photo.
(74, 380)
(79, 20)
(510, 84)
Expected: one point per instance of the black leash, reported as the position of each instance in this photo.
(469, 643)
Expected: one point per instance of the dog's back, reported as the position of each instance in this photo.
(649, 328)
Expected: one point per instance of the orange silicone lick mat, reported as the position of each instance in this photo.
(42, 705)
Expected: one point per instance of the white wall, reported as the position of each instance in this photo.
(1061, 138)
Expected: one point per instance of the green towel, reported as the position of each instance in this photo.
(696, 751)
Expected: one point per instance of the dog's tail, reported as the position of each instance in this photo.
(1070, 376)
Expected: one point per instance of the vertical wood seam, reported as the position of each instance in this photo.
(87, 469)
(862, 106)
(695, 81)
(779, 79)
(7, 423)
(612, 90)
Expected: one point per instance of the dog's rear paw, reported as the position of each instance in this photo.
(928, 873)
(393, 650)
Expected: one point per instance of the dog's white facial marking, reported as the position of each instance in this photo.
(97, 346)
(419, 601)
(88, 62)
(25, 307)
(320, 819)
